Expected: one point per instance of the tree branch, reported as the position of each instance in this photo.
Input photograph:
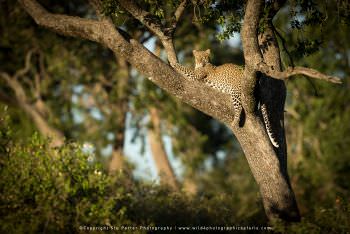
(193, 93)
(153, 25)
(25, 69)
(63, 24)
(252, 54)
(22, 101)
(283, 44)
(15, 86)
(292, 71)
(272, 91)
(251, 51)
(179, 12)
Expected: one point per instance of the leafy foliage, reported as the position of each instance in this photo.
(59, 187)
(59, 190)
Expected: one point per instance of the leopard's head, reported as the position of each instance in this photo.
(201, 58)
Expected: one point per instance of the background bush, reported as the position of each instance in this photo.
(45, 190)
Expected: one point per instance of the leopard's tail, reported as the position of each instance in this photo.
(268, 126)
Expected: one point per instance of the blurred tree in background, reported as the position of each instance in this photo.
(83, 96)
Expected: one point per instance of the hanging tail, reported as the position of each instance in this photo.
(268, 126)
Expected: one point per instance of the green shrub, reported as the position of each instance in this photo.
(46, 190)
(322, 220)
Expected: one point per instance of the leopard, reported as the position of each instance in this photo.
(225, 78)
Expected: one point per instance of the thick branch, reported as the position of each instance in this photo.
(251, 50)
(67, 25)
(292, 71)
(252, 54)
(193, 93)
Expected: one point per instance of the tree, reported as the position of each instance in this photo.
(37, 110)
(261, 55)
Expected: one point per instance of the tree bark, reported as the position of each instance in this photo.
(277, 196)
(165, 171)
(268, 164)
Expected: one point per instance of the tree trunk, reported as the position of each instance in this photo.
(117, 161)
(120, 107)
(117, 158)
(268, 164)
(160, 157)
(277, 196)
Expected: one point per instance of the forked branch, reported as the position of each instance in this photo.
(36, 110)
(25, 69)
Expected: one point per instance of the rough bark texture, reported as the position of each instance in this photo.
(268, 166)
(160, 157)
(277, 196)
(273, 92)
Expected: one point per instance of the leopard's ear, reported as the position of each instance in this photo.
(207, 51)
(194, 51)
